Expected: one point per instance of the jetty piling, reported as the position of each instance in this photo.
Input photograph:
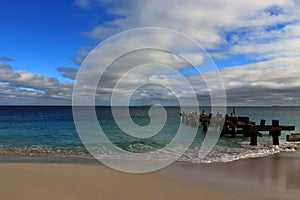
(236, 125)
(253, 136)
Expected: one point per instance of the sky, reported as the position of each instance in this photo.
(254, 44)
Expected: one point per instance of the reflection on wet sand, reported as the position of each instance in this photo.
(273, 177)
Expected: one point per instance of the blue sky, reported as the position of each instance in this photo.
(42, 35)
(47, 40)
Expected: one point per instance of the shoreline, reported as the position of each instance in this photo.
(45, 154)
(272, 177)
(89, 159)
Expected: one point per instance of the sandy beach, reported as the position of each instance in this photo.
(272, 177)
(82, 181)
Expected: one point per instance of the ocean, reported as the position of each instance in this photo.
(49, 131)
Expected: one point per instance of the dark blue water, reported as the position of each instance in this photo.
(51, 130)
(37, 126)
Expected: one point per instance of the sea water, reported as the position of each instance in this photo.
(50, 131)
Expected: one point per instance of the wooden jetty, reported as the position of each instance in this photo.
(236, 125)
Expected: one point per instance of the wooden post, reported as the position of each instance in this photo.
(262, 122)
(244, 120)
(225, 129)
(275, 138)
(205, 126)
(275, 133)
(234, 120)
(253, 136)
(247, 131)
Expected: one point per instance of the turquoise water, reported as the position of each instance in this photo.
(41, 130)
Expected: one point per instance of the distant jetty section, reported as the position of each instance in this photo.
(236, 125)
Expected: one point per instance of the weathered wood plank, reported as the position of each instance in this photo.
(293, 137)
(274, 128)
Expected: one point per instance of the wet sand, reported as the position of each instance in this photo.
(272, 177)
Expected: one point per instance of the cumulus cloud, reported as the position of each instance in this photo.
(270, 44)
(68, 72)
(81, 54)
(125, 65)
(23, 87)
(257, 30)
(208, 22)
(264, 83)
(273, 82)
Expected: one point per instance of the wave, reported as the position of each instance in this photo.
(42, 151)
(225, 154)
(218, 154)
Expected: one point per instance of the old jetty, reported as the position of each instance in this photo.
(234, 126)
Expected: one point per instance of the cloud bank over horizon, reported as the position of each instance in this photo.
(265, 83)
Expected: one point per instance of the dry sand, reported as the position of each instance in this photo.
(80, 181)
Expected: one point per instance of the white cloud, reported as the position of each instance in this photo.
(274, 74)
(131, 69)
(264, 83)
(258, 29)
(203, 20)
(20, 86)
